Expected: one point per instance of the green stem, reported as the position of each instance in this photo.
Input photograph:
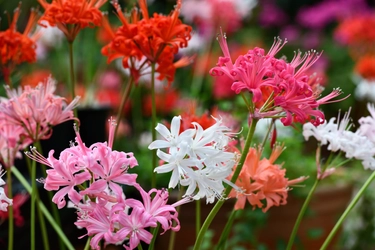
(140, 246)
(33, 204)
(197, 216)
(87, 246)
(53, 206)
(236, 173)
(154, 234)
(301, 214)
(125, 97)
(43, 209)
(347, 211)
(225, 234)
(72, 76)
(172, 236)
(10, 212)
(153, 125)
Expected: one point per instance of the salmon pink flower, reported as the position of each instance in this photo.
(263, 183)
(16, 47)
(70, 16)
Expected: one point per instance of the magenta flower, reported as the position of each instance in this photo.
(278, 88)
(37, 109)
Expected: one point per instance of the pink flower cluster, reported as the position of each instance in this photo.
(278, 88)
(36, 110)
(102, 207)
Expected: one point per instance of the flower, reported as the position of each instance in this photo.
(16, 47)
(338, 137)
(262, 180)
(197, 157)
(70, 16)
(4, 200)
(156, 38)
(365, 67)
(290, 87)
(37, 109)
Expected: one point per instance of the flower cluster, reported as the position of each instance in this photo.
(146, 41)
(102, 207)
(16, 47)
(197, 157)
(338, 137)
(4, 200)
(70, 16)
(262, 180)
(35, 110)
(278, 88)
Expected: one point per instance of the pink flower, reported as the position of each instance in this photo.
(37, 109)
(278, 88)
(158, 208)
(134, 227)
(99, 223)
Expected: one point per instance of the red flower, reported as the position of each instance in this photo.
(16, 47)
(70, 16)
(155, 38)
(366, 67)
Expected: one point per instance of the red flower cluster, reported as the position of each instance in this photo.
(365, 67)
(16, 47)
(70, 16)
(146, 41)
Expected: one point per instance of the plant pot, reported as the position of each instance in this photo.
(326, 206)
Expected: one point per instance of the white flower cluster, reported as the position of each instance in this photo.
(4, 200)
(196, 157)
(359, 145)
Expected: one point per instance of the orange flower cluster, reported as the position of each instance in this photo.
(146, 41)
(70, 16)
(16, 47)
(263, 183)
(366, 67)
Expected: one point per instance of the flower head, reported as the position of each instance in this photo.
(37, 109)
(156, 38)
(197, 157)
(278, 88)
(263, 183)
(16, 47)
(4, 200)
(70, 16)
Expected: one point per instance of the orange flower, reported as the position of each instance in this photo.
(70, 16)
(366, 67)
(16, 47)
(263, 182)
(156, 38)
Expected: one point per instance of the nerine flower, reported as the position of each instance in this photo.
(4, 200)
(37, 109)
(196, 157)
(155, 38)
(278, 88)
(263, 182)
(338, 137)
(16, 47)
(70, 16)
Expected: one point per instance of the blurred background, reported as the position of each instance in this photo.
(344, 30)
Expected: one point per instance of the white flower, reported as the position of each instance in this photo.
(196, 157)
(337, 136)
(367, 124)
(4, 200)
